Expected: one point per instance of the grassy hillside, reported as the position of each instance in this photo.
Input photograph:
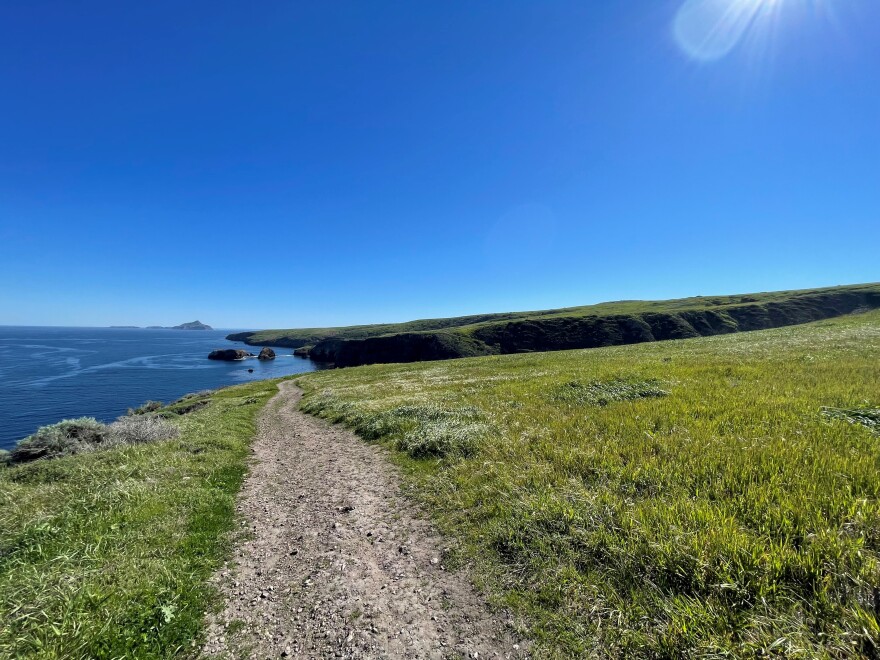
(710, 497)
(106, 554)
(294, 338)
(605, 324)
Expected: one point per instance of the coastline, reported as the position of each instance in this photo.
(57, 373)
(627, 322)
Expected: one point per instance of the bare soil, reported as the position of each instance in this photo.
(336, 563)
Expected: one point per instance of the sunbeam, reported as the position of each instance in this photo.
(709, 29)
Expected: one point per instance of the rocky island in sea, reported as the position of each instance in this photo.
(191, 325)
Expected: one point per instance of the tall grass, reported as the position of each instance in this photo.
(690, 498)
(106, 554)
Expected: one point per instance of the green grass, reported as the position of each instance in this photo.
(107, 554)
(713, 497)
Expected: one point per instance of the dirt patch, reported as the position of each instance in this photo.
(336, 563)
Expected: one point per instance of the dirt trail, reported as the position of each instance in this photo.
(336, 562)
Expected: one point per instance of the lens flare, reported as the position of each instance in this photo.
(709, 29)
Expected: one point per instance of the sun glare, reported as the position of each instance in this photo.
(709, 29)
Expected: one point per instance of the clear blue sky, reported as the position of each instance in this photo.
(281, 164)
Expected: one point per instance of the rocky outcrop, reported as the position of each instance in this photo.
(266, 354)
(229, 354)
(303, 351)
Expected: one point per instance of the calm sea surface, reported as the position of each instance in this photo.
(47, 374)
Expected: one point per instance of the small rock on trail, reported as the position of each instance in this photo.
(335, 563)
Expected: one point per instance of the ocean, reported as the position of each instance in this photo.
(48, 374)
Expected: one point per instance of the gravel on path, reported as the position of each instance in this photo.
(335, 563)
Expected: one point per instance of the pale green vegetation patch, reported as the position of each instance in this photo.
(422, 431)
(601, 393)
(77, 436)
(107, 554)
(869, 417)
(710, 509)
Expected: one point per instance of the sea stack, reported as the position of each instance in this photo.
(266, 354)
(229, 354)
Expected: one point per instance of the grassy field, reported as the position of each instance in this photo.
(106, 554)
(713, 497)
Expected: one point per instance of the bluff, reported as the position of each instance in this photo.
(606, 324)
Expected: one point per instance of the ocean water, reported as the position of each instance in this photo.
(48, 374)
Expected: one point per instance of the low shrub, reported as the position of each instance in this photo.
(69, 436)
(74, 436)
(148, 407)
(183, 407)
(195, 395)
(140, 429)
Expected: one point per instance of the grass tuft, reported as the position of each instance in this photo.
(422, 431)
(148, 407)
(601, 393)
(869, 417)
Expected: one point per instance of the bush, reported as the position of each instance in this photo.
(69, 436)
(184, 408)
(74, 436)
(195, 395)
(148, 407)
(139, 429)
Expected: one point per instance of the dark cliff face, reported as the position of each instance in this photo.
(326, 350)
(561, 333)
(404, 347)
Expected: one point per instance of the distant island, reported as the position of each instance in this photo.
(192, 325)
